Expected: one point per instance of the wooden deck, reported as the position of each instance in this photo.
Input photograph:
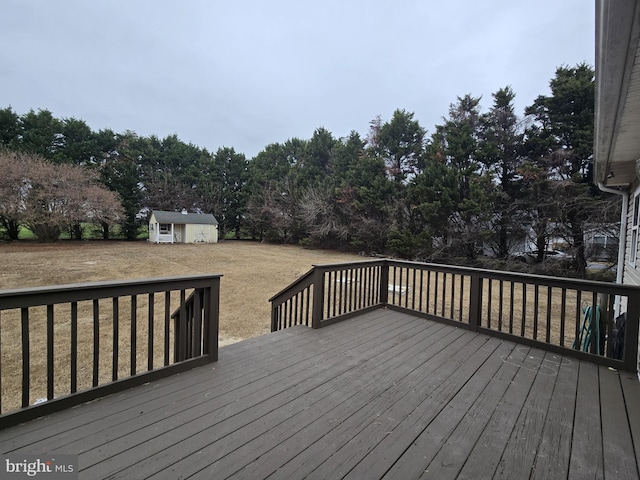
(383, 395)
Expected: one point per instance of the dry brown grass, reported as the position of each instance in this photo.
(252, 272)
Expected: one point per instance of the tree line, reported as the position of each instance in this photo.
(480, 182)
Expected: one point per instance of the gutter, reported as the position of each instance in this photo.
(622, 242)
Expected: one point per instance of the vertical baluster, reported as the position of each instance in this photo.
(188, 327)
(549, 297)
(74, 347)
(524, 309)
(279, 317)
(444, 293)
(406, 288)
(115, 338)
(595, 346)
(536, 303)
(134, 333)
(360, 284)
(428, 299)
(461, 299)
(453, 293)
(372, 275)
(150, 330)
(421, 290)
(340, 283)
(338, 299)
(196, 348)
(355, 289)
(346, 285)
(436, 293)
(400, 286)
(489, 299)
(511, 304)
(364, 287)
(393, 286)
(96, 342)
(578, 317)
(414, 289)
(352, 286)
(306, 319)
(333, 281)
(50, 375)
(376, 279)
(184, 333)
(167, 327)
(24, 321)
(563, 315)
(501, 304)
(344, 282)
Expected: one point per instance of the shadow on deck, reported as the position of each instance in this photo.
(382, 395)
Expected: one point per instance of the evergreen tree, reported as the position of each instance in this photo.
(500, 152)
(563, 134)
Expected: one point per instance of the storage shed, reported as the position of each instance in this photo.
(182, 227)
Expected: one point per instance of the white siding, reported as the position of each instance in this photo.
(632, 266)
(202, 233)
(631, 271)
(183, 233)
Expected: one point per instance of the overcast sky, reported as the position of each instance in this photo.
(247, 73)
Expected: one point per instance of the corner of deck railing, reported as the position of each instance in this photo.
(318, 297)
(384, 283)
(475, 302)
(214, 319)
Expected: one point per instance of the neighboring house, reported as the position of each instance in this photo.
(617, 124)
(601, 241)
(182, 227)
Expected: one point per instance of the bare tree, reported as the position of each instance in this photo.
(13, 189)
(49, 198)
(322, 215)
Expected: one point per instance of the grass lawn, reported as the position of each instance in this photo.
(253, 272)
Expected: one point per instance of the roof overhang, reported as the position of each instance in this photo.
(617, 108)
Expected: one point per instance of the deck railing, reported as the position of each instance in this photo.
(328, 293)
(565, 316)
(64, 345)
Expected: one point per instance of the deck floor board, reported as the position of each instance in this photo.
(382, 395)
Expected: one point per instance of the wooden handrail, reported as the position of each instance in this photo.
(538, 310)
(104, 315)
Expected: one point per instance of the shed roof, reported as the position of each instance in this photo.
(184, 218)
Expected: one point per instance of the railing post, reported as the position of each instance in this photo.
(318, 297)
(475, 302)
(631, 361)
(212, 319)
(274, 317)
(384, 283)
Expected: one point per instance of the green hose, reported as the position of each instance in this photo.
(590, 327)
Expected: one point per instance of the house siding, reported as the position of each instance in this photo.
(631, 273)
